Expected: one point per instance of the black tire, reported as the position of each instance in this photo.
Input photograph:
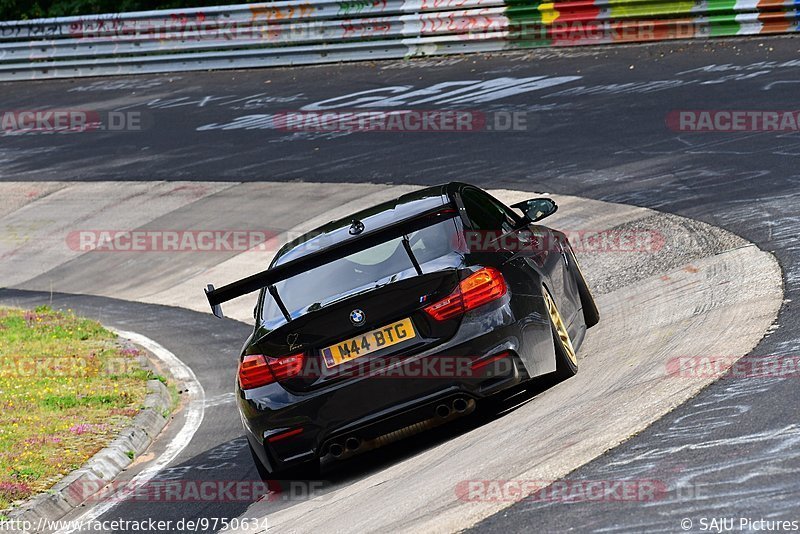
(306, 471)
(591, 315)
(566, 358)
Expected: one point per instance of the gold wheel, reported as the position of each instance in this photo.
(561, 329)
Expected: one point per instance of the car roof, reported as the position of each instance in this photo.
(374, 217)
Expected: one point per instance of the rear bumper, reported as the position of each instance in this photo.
(369, 407)
(343, 415)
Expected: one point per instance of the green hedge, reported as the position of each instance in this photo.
(27, 9)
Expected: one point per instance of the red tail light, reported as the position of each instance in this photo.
(284, 435)
(479, 364)
(479, 288)
(257, 370)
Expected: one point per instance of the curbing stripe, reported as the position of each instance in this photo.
(194, 418)
(101, 469)
(106, 465)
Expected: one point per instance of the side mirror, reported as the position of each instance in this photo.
(536, 209)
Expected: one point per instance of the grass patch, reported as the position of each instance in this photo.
(67, 388)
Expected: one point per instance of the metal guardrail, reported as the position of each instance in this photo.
(300, 32)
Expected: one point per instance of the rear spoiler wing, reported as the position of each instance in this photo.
(334, 252)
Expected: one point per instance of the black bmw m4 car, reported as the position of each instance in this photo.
(402, 317)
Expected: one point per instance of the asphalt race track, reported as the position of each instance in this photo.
(595, 125)
(691, 281)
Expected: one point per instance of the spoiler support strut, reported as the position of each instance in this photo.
(274, 292)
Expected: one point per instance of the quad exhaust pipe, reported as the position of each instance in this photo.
(442, 412)
(351, 444)
(336, 450)
(460, 405)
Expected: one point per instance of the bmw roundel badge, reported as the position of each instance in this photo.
(357, 317)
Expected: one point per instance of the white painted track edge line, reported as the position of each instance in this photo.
(194, 418)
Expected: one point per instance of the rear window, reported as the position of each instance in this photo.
(362, 271)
